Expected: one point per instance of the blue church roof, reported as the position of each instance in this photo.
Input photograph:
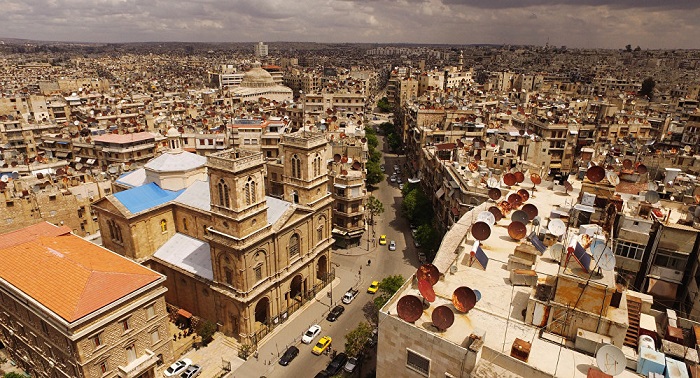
(145, 197)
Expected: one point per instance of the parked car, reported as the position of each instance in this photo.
(373, 287)
(400, 186)
(311, 334)
(350, 365)
(192, 371)
(350, 295)
(392, 178)
(382, 167)
(337, 363)
(396, 167)
(382, 239)
(335, 313)
(177, 368)
(289, 355)
(321, 345)
(392, 246)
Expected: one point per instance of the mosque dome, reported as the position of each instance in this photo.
(257, 78)
(172, 132)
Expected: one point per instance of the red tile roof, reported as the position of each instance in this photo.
(65, 273)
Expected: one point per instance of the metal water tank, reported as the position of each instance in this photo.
(646, 341)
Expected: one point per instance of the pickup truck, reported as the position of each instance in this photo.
(350, 295)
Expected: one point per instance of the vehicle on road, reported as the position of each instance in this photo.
(321, 345)
(373, 287)
(350, 295)
(177, 368)
(392, 178)
(400, 186)
(335, 313)
(382, 167)
(191, 372)
(396, 167)
(289, 355)
(392, 245)
(382, 239)
(350, 365)
(399, 180)
(415, 242)
(337, 363)
(311, 334)
(422, 258)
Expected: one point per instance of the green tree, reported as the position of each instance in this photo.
(355, 340)
(12, 374)
(394, 142)
(206, 330)
(647, 87)
(383, 105)
(372, 141)
(374, 173)
(375, 206)
(375, 156)
(428, 237)
(386, 128)
(387, 288)
(416, 206)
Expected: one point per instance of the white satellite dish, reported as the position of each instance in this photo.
(652, 196)
(76, 123)
(486, 217)
(493, 182)
(556, 227)
(604, 256)
(652, 186)
(557, 252)
(610, 360)
(613, 178)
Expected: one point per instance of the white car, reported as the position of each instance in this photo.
(177, 368)
(392, 178)
(392, 246)
(311, 334)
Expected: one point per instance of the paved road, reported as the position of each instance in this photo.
(351, 271)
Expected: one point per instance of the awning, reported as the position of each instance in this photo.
(439, 193)
(356, 233)
(184, 313)
(662, 289)
(587, 209)
(340, 186)
(339, 232)
(49, 142)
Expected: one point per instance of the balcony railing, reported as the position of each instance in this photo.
(138, 366)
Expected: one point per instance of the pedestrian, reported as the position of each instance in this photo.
(369, 262)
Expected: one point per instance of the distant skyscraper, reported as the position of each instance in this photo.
(261, 49)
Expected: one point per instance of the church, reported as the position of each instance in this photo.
(232, 253)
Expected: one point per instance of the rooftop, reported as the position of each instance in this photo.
(145, 197)
(124, 138)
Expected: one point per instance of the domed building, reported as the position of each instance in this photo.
(259, 83)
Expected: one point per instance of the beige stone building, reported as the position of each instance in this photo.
(69, 308)
(232, 253)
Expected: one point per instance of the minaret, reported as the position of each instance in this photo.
(461, 61)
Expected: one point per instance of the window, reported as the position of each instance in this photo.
(130, 353)
(125, 325)
(319, 233)
(417, 362)
(163, 225)
(150, 311)
(103, 367)
(317, 165)
(258, 272)
(155, 337)
(249, 189)
(294, 245)
(223, 194)
(670, 260)
(629, 250)
(97, 340)
(184, 223)
(229, 276)
(296, 167)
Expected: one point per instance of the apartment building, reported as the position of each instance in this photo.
(137, 148)
(69, 308)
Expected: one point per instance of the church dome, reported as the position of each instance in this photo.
(172, 132)
(257, 78)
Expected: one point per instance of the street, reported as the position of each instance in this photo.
(351, 271)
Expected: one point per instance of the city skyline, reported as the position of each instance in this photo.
(587, 24)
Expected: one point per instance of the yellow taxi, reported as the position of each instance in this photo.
(382, 239)
(321, 345)
(373, 287)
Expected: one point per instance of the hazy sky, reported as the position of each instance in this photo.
(574, 23)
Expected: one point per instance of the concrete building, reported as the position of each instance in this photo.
(69, 308)
(258, 83)
(261, 50)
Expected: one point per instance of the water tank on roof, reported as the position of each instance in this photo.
(646, 341)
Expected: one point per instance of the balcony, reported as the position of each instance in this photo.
(138, 366)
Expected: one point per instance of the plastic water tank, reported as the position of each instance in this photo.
(646, 341)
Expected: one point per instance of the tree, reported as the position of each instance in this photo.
(206, 330)
(383, 105)
(374, 173)
(372, 141)
(428, 237)
(647, 87)
(416, 207)
(12, 374)
(375, 206)
(355, 340)
(387, 288)
(628, 48)
(375, 156)
(386, 128)
(394, 142)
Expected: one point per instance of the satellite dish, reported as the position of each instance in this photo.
(524, 194)
(481, 231)
(642, 169)
(568, 187)
(505, 207)
(604, 256)
(15, 175)
(610, 360)
(652, 186)
(595, 174)
(531, 211)
(410, 308)
(112, 170)
(557, 252)
(517, 230)
(496, 213)
(509, 179)
(536, 179)
(515, 200)
(428, 272)
(556, 227)
(486, 217)
(464, 299)
(520, 216)
(36, 188)
(494, 193)
(426, 290)
(613, 178)
(5, 178)
(493, 183)
(627, 163)
(519, 177)
(652, 197)
(442, 317)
